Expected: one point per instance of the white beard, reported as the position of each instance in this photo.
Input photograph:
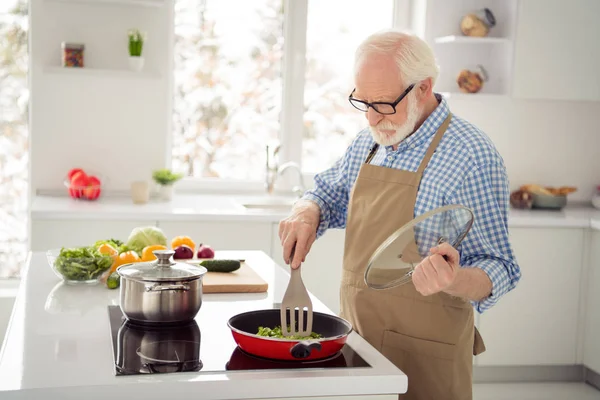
(402, 131)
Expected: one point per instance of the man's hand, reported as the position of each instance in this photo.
(434, 274)
(299, 231)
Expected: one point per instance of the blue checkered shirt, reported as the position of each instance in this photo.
(465, 169)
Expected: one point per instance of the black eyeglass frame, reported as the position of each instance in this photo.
(375, 103)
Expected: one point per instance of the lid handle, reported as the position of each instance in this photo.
(164, 257)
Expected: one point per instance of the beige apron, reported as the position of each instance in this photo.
(432, 339)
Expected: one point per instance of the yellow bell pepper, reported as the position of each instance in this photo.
(183, 240)
(147, 254)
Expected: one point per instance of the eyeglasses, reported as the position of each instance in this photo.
(379, 106)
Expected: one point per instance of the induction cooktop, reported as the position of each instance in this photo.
(198, 346)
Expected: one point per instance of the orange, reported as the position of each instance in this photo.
(186, 240)
(147, 252)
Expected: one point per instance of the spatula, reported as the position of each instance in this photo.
(296, 297)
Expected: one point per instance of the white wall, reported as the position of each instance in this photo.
(551, 143)
(102, 121)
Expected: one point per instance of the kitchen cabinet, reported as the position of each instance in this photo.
(50, 234)
(557, 56)
(591, 352)
(322, 270)
(538, 322)
(222, 235)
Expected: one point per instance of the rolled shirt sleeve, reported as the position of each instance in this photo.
(485, 191)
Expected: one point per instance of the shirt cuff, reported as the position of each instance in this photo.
(501, 282)
(325, 213)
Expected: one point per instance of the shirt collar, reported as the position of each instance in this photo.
(429, 127)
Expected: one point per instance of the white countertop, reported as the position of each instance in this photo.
(230, 208)
(58, 345)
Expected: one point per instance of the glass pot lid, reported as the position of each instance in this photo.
(161, 269)
(394, 261)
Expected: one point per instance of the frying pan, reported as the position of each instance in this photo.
(244, 328)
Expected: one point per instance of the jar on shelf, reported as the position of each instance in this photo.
(596, 198)
(72, 54)
(478, 23)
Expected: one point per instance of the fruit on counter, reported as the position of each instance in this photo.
(82, 263)
(183, 252)
(126, 257)
(82, 185)
(145, 236)
(107, 249)
(113, 281)
(221, 265)
(147, 253)
(183, 240)
(205, 251)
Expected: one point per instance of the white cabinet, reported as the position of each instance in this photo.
(222, 235)
(538, 322)
(322, 270)
(50, 234)
(557, 55)
(591, 352)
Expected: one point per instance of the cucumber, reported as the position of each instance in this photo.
(221, 265)
(113, 280)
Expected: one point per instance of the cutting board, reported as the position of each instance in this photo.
(244, 280)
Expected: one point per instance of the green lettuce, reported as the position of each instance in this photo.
(145, 236)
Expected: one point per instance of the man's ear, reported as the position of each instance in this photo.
(425, 88)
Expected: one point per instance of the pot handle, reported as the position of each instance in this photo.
(304, 348)
(160, 288)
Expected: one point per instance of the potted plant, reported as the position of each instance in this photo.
(136, 45)
(165, 179)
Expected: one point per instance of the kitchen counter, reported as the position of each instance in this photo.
(58, 345)
(231, 208)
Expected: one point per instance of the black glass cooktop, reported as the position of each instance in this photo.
(140, 349)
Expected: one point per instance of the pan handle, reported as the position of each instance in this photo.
(304, 348)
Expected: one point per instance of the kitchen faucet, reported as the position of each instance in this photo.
(274, 170)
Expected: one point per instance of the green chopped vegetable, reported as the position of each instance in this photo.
(82, 263)
(113, 280)
(276, 333)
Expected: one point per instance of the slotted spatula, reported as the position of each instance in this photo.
(296, 297)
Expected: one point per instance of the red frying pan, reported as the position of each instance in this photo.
(244, 327)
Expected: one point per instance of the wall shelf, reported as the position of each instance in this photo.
(469, 40)
(142, 3)
(98, 72)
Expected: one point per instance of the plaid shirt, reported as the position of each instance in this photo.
(465, 169)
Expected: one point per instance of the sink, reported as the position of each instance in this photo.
(277, 203)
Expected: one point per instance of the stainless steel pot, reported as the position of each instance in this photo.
(161, 291)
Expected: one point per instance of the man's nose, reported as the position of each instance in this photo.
(373, 116)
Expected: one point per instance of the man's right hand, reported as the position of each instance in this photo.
(299, 231)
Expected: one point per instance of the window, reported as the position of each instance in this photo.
(230, 94)
(330, 122)
(13, 136)
(227, 84)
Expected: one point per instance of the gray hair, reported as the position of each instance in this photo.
(413, 56)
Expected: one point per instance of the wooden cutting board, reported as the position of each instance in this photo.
(244, 280)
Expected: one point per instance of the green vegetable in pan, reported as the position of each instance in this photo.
(276, 333)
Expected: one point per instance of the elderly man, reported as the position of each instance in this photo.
(415, 156)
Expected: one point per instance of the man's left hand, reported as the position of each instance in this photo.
(434, 274)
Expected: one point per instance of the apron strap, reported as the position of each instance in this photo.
(434, 143)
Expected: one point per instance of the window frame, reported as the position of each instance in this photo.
(292, 115)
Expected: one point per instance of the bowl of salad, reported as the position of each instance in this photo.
(79, 265)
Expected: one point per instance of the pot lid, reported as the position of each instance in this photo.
(394, 261)
(161, 269)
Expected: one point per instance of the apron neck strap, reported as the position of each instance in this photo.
(434, 143)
